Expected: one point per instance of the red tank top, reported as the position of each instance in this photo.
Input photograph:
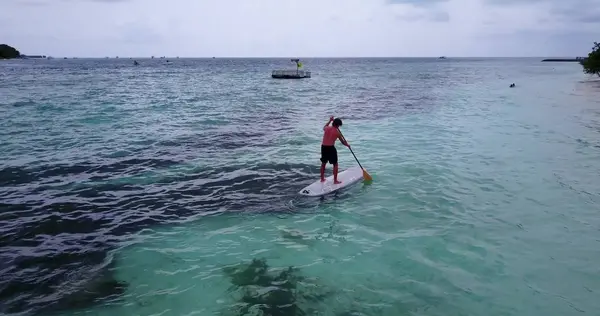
(330, 135)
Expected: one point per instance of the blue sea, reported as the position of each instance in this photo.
(172, 188)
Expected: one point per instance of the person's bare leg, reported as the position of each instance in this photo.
(335, 173)
(323, 172)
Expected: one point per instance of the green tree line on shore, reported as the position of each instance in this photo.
(591, 64)
(8, 52)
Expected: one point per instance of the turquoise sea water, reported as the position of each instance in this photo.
(134, 190)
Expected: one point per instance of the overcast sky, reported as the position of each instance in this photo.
(303, 28)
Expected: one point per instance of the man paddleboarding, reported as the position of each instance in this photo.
(328, 151)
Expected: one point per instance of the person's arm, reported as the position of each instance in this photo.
(330, 120)
(342, 139)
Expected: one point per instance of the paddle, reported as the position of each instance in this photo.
(366, 175)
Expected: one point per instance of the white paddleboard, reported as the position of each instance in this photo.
(348, 177)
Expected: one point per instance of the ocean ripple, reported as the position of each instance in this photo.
(478, 187)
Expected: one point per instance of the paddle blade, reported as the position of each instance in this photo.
(367, 176)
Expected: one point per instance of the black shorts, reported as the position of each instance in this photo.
(329, 154)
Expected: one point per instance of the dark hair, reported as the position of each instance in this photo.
(337, 122)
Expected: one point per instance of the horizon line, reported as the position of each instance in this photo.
(281, 57)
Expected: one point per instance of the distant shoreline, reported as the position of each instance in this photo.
(577, 59)
(543, 59)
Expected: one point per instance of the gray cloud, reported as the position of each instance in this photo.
(428, 11)
(421, 3)
(109, 0)
(590, 17)
(33, 3)
(583, 11)
(541, 43)
(586, 14)
(50, 2)
(433, 16)
(409, 17)
(441, 16)
(98, 28)
(137, 33)
(516, 2)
